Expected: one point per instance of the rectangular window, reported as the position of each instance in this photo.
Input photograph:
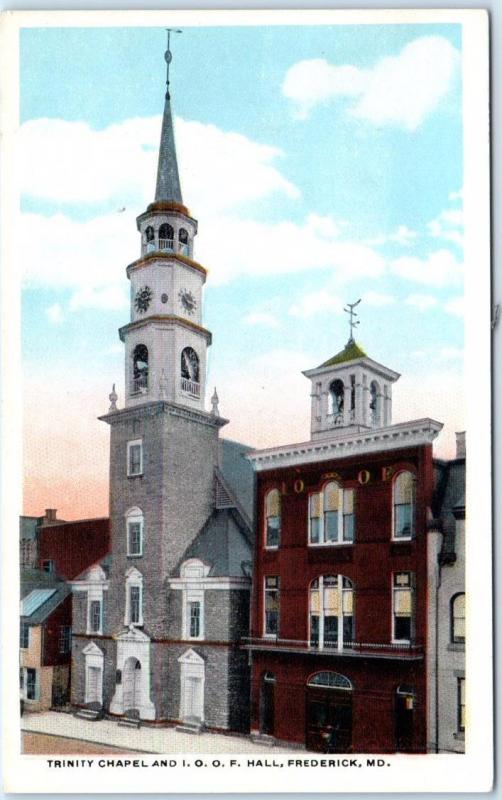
(135, 602)
(461, 704)
(134, 530)
(24, 636)
(348, 515)
(402, 607)
(271, 605)
(64, 639)
(31, 684)
(95, 616)
(194, 619)
(135, 457)
(48, 565)
(315, 518)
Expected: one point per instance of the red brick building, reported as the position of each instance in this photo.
(67, 548)
(339, 615)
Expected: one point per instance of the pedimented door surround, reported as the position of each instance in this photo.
(133, 647)
(192, 674)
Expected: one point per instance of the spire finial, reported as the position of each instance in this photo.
(113, 397)
(214, 404)
(350, 310)
(168, 55)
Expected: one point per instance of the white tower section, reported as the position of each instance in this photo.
(350, 393)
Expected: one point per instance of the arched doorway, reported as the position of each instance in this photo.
(404, 717)
(267, 704)
(132, 684)
(329, 713)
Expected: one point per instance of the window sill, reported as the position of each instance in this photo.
(404, 539)
(135, 555)
(331, 544)
(402, 642)
(271, 636)
(94, 633)
(270, 546)
(135, 475)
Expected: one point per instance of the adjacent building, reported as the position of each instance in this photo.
(340, 616)
(156, 633)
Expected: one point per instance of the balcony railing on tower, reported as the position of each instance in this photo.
(190, 387)
(140, 384)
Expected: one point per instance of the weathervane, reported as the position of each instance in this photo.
(350, 310)
(168, 55)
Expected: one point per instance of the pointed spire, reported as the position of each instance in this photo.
(168, 179)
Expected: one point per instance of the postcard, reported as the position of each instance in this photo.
(246, 349)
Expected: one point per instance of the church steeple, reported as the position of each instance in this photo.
(168, 179)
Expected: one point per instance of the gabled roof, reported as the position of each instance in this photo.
(238, 475)
(222, 543)
(448, 498)
(35, 599)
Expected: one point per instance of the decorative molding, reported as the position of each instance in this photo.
(155, 407)
(147, 258)
(93, 650)
(204, 583)
(404, 434)
(165, 319)
(364, 361)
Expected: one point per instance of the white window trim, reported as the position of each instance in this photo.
(24, 690)
(131, 444)
(135, 515)
(412, 617)
(341, 644)
(133, 578)
(278, 590)
(340, 541)
(409, 538)
(95, 594)
(265, 545)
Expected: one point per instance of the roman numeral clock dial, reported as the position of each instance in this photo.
(187, 300)
(143, 299)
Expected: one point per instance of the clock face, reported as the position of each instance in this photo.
(187, 300)
(143, 299)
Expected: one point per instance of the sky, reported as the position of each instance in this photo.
(324, 164)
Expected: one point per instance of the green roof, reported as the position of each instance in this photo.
(349, 353)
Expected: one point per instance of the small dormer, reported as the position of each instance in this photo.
(350, 392)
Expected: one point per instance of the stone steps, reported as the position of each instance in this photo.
(263, 739)
(87, 713)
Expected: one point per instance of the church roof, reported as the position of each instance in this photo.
(168, 179)
(351, 351)
(223, 543)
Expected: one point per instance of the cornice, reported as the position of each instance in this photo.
(222, 584)
(364, 361)
(167, 319)
(159, 255)
(394, 437)
(155, 407)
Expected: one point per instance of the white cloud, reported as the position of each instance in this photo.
(55, 314)
(399, 90)
(456, 195)
(111, 297)
(456, 306)
(451, 354)
(314, 303)
(448, 225)
(69, 162)
(264, 318)
(439, 269)
(378, 299)
(421, 301)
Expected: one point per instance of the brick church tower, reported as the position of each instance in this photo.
(155, 631)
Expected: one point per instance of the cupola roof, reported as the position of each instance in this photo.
(351, 351)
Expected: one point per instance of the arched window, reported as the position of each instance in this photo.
(457, 617)
(134, 531)
(150, 239)
(183, 241)
(404, 506)
(190, 365)
(337, 394)
(166, 237)
(330, 680)
(374, 403)
(140, 368)
(331, 612)
(273, 518)
(331, 515)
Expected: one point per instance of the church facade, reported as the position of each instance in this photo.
(156, 629)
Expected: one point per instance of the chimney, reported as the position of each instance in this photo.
(50, 515)
(460, 444)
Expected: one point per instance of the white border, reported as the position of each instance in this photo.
(472, 772)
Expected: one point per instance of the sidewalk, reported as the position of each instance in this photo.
(145, 740)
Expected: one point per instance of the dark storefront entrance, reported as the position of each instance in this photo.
(267, 704)
(329, 713)
(405, 704)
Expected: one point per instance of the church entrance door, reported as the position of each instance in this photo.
(132, 683)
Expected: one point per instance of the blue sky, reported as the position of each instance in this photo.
(323, 163)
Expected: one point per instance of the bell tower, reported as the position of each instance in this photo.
(165, 341)
(350, 391)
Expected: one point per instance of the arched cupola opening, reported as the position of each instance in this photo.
(190, 372)
(375, 404)
(150, 239)
(166, 237)
(337, 395)
(140, 369)
(183, 241)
